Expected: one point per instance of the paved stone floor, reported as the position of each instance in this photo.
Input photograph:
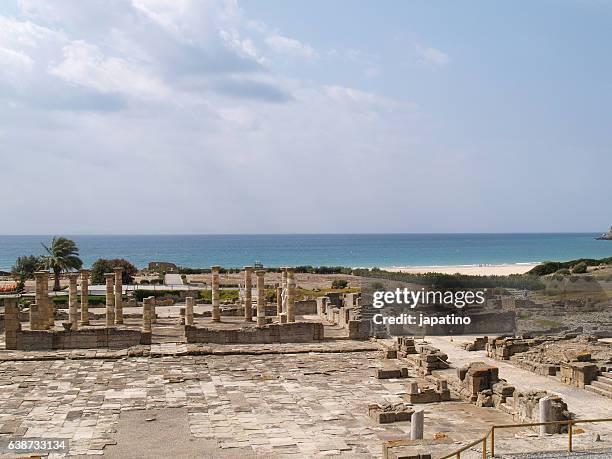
(291, 405)
(246, 401)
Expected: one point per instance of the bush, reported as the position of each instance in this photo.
(224, 295)
(579, 268)
(549, 267)
(562, 271)
(139, 294)
(103, 266)
(442, 281)
(93, 300)
(339, 284)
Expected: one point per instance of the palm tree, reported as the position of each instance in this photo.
(62, 256)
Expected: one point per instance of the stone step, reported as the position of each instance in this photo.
(604, 380)
(601, 385)
(606, 374)
(597, 390)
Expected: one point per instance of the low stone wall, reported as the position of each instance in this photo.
(295, 332)
(87, 338)
(578, 374)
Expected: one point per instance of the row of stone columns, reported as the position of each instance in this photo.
(114, 297)
(285, 295)
(42, 312)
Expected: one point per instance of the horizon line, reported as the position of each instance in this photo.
(305, 234)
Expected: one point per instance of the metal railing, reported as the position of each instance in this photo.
(491, 434)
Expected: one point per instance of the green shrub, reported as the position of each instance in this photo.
(339, 284)
(224, 295)
(103, 266)
(579, 268)
(140, 294)
(562, 271)
(94, 300)
(441, 281)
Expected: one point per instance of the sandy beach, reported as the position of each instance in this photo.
(474, 270)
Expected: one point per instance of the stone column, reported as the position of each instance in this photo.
(413, 388)
(290, 295)
(73, 309)
(248, 293)
(44, 318)
(12, 326)
(147, 304)
(216, 312)
(261, 297)
(118, 295)
(189, 302)
(35, 317)
(416, 425)
(284, 287)
(546, 415)
(279, 301)
(110, 299)
(85, 296)
(153, 311)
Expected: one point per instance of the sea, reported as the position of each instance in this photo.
(353, 250)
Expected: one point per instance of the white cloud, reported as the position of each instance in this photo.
(184, 93)
(85, 65)
(433, 55)
(291, 46)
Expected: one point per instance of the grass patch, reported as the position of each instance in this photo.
(549, 323)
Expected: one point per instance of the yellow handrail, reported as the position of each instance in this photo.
(491, 433)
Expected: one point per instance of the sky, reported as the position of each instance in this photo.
(213, 117)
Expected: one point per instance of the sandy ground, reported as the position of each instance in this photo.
(480, 270)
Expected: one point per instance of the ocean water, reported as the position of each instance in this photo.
(363, 250)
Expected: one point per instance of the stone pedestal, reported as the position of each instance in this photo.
(261, 297)
(44, 318)
(417, 425)
(248, 293)
(85, 296)
(12, 326)
(73, 309)
(216, 311)
(189, 303)
(110, 299)
(147, 304)
(546, 415)
(35, 317)
(279, 301)
(413, 388)
(290, 295)
(284, 289)
(118, 295)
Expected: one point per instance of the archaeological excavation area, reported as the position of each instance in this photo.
(281, 375)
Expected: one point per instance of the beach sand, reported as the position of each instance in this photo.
(474, 270)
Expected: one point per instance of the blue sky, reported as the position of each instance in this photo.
(177, 116)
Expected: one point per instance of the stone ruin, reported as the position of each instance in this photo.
(481, 385)
(392, 373)
(417, 395)
(431, 358)
(80, 333)
(390, 412)
(406, 346)
(479, 344)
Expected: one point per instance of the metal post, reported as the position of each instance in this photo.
(492, 441)
(569, 435)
